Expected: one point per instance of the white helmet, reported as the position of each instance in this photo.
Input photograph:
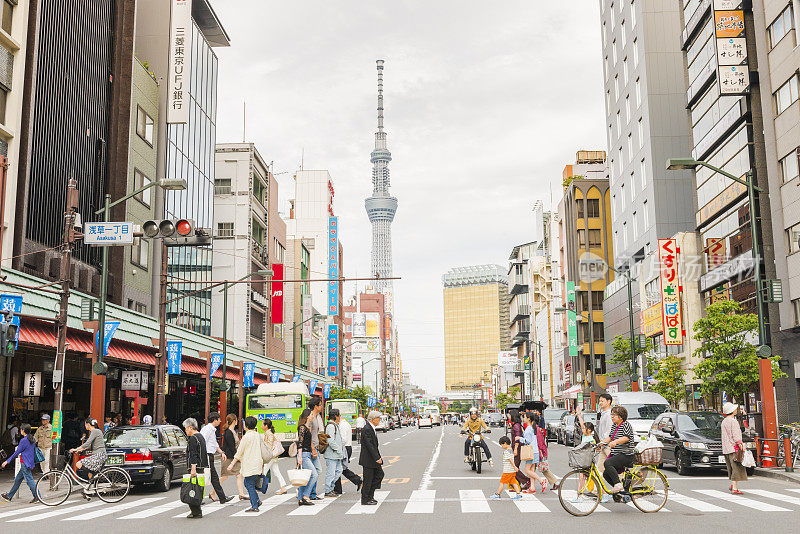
(473, 410)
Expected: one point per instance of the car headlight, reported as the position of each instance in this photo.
(750, 445)
(695, 446)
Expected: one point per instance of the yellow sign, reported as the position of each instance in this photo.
(651, 320)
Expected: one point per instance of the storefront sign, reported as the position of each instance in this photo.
(216, 361)
(732, 51)
(572, 320)
(276, 299)
(722, 5)
(295, 378)
(275, 376)
(333, 350)
(174, 356)
(249, 371)
(333, 265)
(13, 304)
(733, 193)
(728, 23)
(734, 80)
(58, 425)
(733, 74)
(373, 321)
(180, 60)
(108, 233)
(738, 267)
(32, 384)
(359, 325)
(507, 358)
(326, 391)
(307, 310)
(716, 254)
(110, 330)
(670, 292)
(131, 380)
(651, 320)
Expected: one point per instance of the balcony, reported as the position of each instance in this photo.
(522, 311)
(518, 286)
(260, 253)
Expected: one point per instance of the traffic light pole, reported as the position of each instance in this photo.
(160, 374)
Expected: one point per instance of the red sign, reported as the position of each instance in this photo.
(276, 297)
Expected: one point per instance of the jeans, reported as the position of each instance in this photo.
(24, 472)
(333, 470)
(250, 484)
(318, 468)
(484, 446)
(305, 491)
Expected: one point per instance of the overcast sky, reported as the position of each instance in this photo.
(485, 102)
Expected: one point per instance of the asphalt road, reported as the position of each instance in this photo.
(427, 488)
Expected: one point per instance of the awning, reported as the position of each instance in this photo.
(572, 392)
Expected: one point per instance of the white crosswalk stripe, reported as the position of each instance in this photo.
(21, 511)
(421, 502)
(697, 504)
(113, 509)
(211, 508)
(528, 503)
(362, 509)
(266, 506)
(473, 501)
(572, 496)
(313, 510)
(58, 511)
(773, 495)
(150, 512)
(744, 501)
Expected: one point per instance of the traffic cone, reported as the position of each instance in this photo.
(767, 458)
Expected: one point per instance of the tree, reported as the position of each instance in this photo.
(621, 356)
(359, 393)
(671, 379)
(514, 392)
(502, 400)
(729, 361)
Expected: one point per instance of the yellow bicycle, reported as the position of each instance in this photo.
(581, 490)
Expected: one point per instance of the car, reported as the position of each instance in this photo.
(552, 417)
(572, 433)
(425, 420)
(383, 424)
(566, 428)
(494, 419)
(643, 407)
(152, 454)
(396, 421)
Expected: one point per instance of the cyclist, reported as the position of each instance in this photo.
(475, 424)
(620, 440)
(96, 445)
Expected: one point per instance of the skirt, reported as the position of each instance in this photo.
(508, 478)
(224, 468)
(96, 461)
(736, 471)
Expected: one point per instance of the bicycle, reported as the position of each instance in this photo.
(581, 490)
(791, 431)
(110, 484)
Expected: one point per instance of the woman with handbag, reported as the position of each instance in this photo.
(304, 450)
(230, 442)
(25, 451)
(196, 456)
(529, 454)
(250, 455)
(516, 433)
(272, 469)
(733, 446)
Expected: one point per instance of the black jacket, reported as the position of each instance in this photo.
(196, 452)
(228, 443)
(369, 448)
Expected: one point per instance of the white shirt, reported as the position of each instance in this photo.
(209, 433)
(347, 432)
(604, 425)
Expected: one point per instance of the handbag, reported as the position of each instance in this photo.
(747, 459)
(266, 451)
(526, 453)
(38, 455)
(738, 456)
(292, 449)
(192, 490)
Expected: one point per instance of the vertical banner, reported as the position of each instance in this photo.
(733, 71)
(275, 376)
(249, 375)
(110, 330)
(572, 320)
(276, 295)
(333, 265)
(296, 378)
(216, 361)
(13, 304)
(670, 292)
(58, 425)
(312, 387)
(326, 391)
(174, 355)
(306, 311)
(180, 59)
(333, 350)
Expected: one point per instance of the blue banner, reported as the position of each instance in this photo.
(370, 401)
(333, 350)
(275, 376)
(216, 361)
(312, 387)
(326, 391)
(12, 303)
(296, 378)
(174, 354)
(110, 330)
(249, 375)
(333, 265)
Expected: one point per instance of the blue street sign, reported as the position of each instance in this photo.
(216, 361)
(249, 374)
(296, 378)
(275, 376)
(326, 391)
(110, 330)
(174, 350)
(12, 303)
(312, 387)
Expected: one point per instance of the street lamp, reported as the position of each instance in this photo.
(376, 373)
(768, 415)
(100, 367)
(294, 345)
(627, 275)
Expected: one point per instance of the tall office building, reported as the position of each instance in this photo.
(381, 206)
(475, 323)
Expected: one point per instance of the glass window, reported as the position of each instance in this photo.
(796, 308)
(645, 215)
(144, 125)
(628, 108)
(792, 238)
(3, 99)
(258, 232)
(619, 123)
(622, 36)
(638, 93)
(630, 147)
(786, 95)
(222, 186)
(595, 239)
(614, 52)
(781, 26)
(140, 252)
(132, 437)
(640, 131)
(285, 401)
(633, 14)
(581, 238)
(579, 207)
(225, 229)
(643, 172)
(8, 14)
(140, 180)
(259, 189)
(593, 207)
(625, 72)
(788, 166)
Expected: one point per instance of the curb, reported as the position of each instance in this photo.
(778, 475)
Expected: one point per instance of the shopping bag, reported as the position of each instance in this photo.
(207, 478)
(526, 453)
(747, 459)
(38, 455)
(192, 489)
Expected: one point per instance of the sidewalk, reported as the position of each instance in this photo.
(779, 474)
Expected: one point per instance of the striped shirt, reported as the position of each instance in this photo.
(508, 461)
(622, 430)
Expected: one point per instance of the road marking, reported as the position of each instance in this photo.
(528, 503)
(54, 513)
(12, 513)
(266, 506)
(634, 507)
(795, 490)
(743, 501)
(397, 480)
(459, 478)
(361, 509)
(421, 502)
(113, 509)
(697, 504)
(211, 508)
(313, 510)
(166, 507)
(777, 496)
(473, 501)
(570, 495)
(426, 476)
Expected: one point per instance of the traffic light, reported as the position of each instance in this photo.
(176, 232)
(8, 339)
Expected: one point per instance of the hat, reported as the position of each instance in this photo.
(729, 407)
(373, 414)
(147, 420)
(45, 417)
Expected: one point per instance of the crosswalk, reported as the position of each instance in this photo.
(468, 501)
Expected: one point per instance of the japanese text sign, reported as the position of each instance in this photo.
(174, 355)
(249, 374)
(333, 265)
(180, 60)
(333, 350)
(670, 292)
(275, 376)
(108, 233)
(108, 335)
(216, 361)
(13, 304)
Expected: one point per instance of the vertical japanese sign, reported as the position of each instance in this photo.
(295, 378)
(312, 387)
(572, 320)
(275, 376)
(276, 297)
(110, 330)
(670, 292)
(180, 58)
(733, 72)
(326, 391)
(306, 312)
(58, 425)
(13, 304)
(249, 370)
(174, 354)
(216, 361)
(333, 350)
(333, 265)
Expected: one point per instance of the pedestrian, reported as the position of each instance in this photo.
(272, 469)
(620, 441)
(334, 452)
(528, 467)
(248, 453)
(360, 422)
(315, 425)
(209, 433)
(230, 442)
(44, 440)
(94, 442)
(603, 426)
(304, 450)
(25, 451)
(347, 440)
(370, 459)
(507, 479)
(196, 457)
(733, 447)
(107, 424)
(516, 432)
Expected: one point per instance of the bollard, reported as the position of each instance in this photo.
(787, 455)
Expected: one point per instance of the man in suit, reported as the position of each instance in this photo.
(370, 459)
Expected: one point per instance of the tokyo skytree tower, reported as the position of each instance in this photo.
(381, 206)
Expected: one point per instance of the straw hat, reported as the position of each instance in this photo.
(729, 407)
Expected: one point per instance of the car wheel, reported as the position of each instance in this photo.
(166, 480)
(681, 463)
(750, 471)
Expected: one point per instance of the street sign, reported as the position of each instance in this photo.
(108, 233)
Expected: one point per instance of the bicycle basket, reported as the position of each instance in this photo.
(651, 456)
(581, 457)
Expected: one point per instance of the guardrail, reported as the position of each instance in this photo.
(768, 453)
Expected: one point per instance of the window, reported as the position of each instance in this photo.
(645, 215)
(788, 166)
(630, 147)
(593, 207)
(614, 52)
(604, 31)
(581, 238)
(796, 308)
(634, 225)
(279, 252)
(7, 15)
(625, 70)
(140, 252)
(597, 299)
(619, 123)
(608, 99)
(635, 47)
(625, 234)
(3, 99)
(616, 86)
(786, 95)
(225, 229)
(622, 196)
(144, 125)
(638, 93)
(640, 131)
(792, 236)
(259, 190)
(139, 181)
(597, 330)
(643, 173)
(633, 14)
(222, 186)
(258, 232)
(595, 239)
(782, 25)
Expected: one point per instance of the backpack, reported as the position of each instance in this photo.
(323, 442)
(542, 442)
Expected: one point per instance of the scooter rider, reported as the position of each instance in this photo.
(475, 424)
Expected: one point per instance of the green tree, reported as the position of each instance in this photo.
(514, 393)
(671, 379)
(359, 393)
(502, 400)
(729, 361)
(621, 357)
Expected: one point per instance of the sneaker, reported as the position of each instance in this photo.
(494, 497)
(605, 499)
(466, 459)
(617, 488)
(516, 497)
(6, 497)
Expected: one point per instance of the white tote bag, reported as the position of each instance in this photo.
(747, 459)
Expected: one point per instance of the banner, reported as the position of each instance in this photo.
(312, 387)
(572, 320)
(13, 304)
(110, 330)
(180, 60)
(326, 391)
(333, 265)
(276, 298)
(307, 330)
(58, 425)
(174, 355)
(296, 378)
(216, 361)
(333, 350)
(670, 292)
(249, 374)
(275, 376)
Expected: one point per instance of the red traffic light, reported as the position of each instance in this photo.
(184, 227)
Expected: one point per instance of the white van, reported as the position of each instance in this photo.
(643, 407)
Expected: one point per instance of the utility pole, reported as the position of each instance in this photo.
(160, 378)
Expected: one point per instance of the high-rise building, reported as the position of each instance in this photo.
(475, 323)
(381, 206)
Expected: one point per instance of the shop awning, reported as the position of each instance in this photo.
(572, 392)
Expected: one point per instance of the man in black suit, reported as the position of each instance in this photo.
(370, 459)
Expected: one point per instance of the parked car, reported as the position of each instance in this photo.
(397, 421)
(565, 428)
(572, 433)
(552, 418)
(150, 454)
(494, 419)
(425, 420)
(383, 424)
(643, 408)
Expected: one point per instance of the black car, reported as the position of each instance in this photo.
(150, 454)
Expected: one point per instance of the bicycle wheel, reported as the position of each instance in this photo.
(578, 493)
(53, 487)
(112, 484)
(649, 490)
